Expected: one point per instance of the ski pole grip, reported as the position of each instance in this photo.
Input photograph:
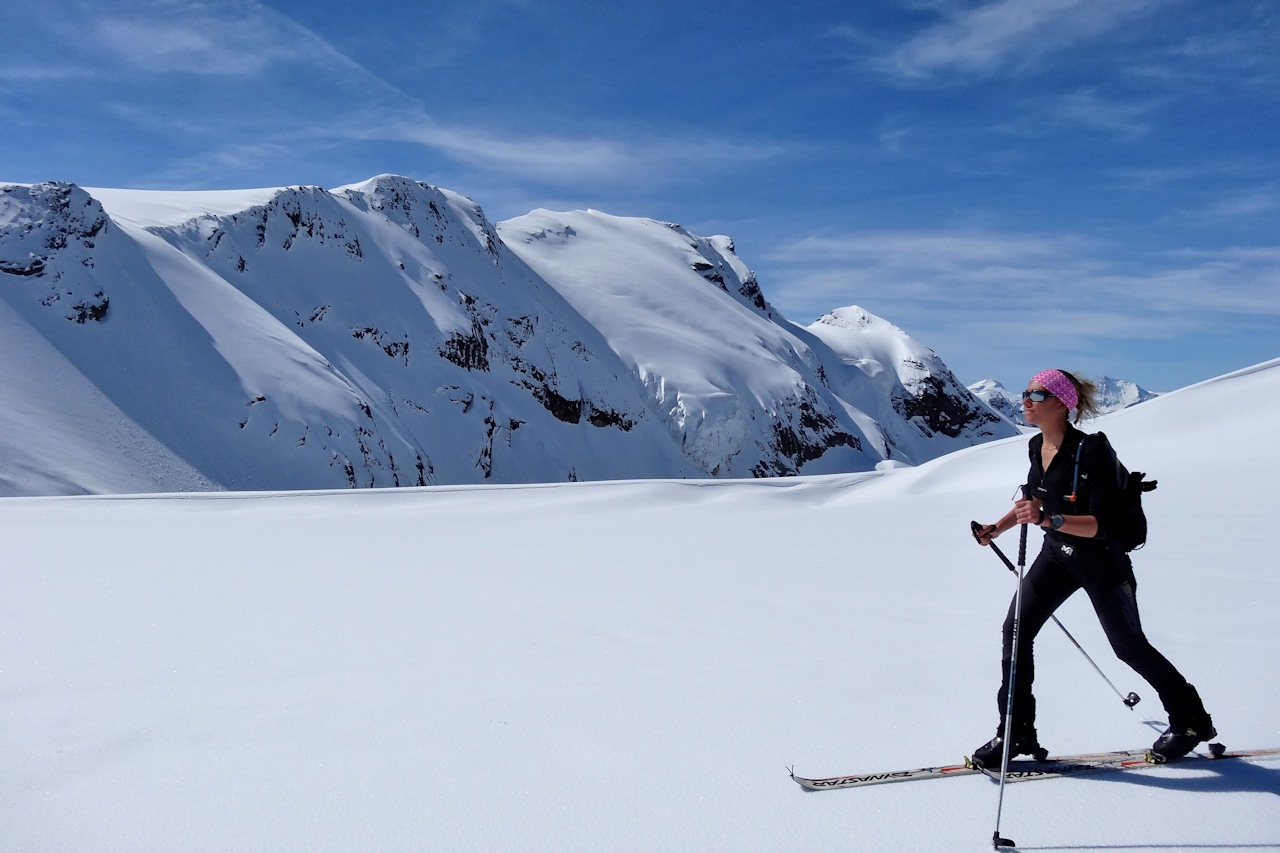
(1022, 538)
(976, 526)
(1022, 535)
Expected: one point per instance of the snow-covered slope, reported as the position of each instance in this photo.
(378, 335)
(384, 334)
(745, 391)
(625, 666)
(917, 403)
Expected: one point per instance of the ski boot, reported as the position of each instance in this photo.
(1024, 742)
(1189, 727)
(1182, 736)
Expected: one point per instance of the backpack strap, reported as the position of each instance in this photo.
(1075, 479)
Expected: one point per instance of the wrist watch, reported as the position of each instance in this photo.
(1056, 521)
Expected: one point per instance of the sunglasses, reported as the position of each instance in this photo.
(1036, 396)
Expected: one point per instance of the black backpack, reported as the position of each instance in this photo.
(1129, 527)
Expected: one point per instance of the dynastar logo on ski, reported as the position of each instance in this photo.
(882, 778)
(879, 778)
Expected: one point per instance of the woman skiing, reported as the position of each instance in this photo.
(1075, 513)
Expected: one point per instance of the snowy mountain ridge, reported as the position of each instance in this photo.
(387, 334)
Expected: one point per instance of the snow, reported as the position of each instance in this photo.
(269, 347)
(623, 666)
(54, 444)
(150, 208)
(713, 362)
(688, 317)
(385, 333)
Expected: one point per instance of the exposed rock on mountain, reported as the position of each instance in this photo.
(387, 334)
(998, 398)
(921, 410)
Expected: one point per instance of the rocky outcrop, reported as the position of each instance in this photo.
(387, 334)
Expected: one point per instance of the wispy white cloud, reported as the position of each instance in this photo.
(1084, 109)
(972, 268)
(1005, 34)
(1254, 202)
(619, 158)
(205, 167)
(893, 136)
(1031, 293)
(997, 304)
(19, 75)
(930, 254)
(270, 90)
(1090, 110)
(858, 38)
(217, 38)
(1244, 55)
(1242, 280)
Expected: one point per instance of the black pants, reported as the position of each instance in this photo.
(1061, 568)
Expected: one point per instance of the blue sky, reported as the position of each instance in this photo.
(1017, 183)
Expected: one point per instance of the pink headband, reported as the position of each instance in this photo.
(1059, 385)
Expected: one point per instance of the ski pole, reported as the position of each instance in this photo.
(996, 840)
(1130, 700)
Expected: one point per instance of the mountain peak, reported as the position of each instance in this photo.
(385, 333)
(1113, 395)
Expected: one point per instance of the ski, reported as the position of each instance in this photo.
(1026, 770)
(882, 778)
(1066, 765)
(968, 768)
(1139, 759)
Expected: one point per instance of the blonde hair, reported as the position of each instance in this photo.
(1087, 396)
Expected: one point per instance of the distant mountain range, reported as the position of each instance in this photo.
(387, 334)
(1113, 395)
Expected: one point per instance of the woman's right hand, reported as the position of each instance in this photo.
(984, 533)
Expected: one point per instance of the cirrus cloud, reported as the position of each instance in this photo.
(1006, 33)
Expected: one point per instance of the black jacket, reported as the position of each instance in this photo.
(1093, 492)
